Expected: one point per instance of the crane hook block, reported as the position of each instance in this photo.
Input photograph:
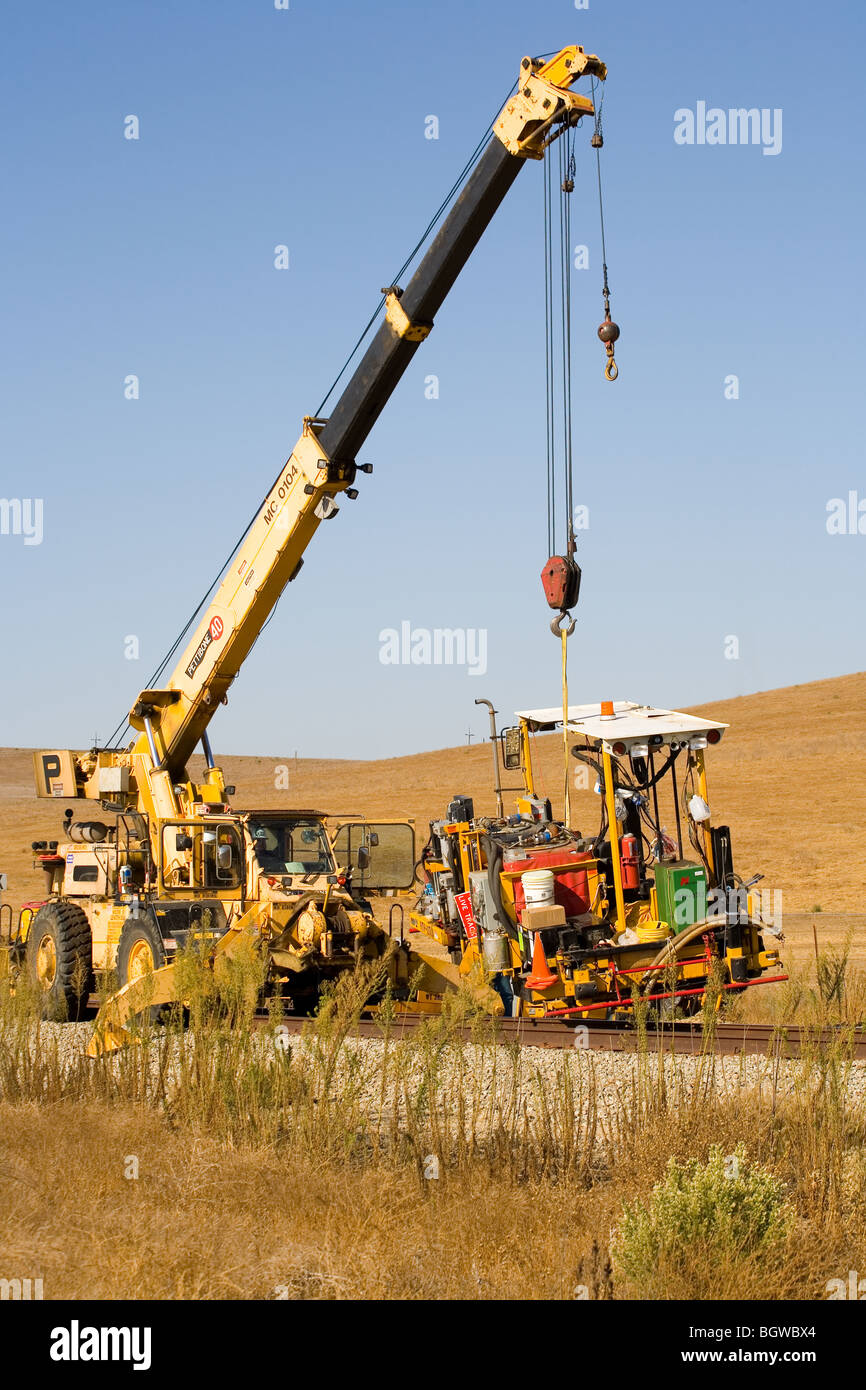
(609, 332)
(560, 579)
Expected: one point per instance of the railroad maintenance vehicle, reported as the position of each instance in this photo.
(582, 927)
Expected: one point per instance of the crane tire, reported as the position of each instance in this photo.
(139, 952)
(59, 958)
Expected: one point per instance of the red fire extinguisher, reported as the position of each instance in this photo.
(630, 862)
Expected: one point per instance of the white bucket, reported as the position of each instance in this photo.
(538, 887)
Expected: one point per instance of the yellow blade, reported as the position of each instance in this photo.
(439, 976)
(109, 1030)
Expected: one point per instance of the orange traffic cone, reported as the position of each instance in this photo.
(541, 977)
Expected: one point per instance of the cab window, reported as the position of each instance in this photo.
(389, 858)
(206, 857)
(295, 846)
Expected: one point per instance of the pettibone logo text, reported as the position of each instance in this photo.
(75, 1343)
(199, 654)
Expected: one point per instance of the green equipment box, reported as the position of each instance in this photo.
(681, 888)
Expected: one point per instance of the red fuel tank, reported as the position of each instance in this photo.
(630, 862)
(570, 886)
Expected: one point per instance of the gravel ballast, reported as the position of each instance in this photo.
(490, 1079)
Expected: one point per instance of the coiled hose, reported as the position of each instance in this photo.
(671, 949)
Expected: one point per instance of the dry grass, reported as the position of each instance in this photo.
(826, 989)
(262, 1173)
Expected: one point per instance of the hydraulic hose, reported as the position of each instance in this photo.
(671, 950)
(493, 854)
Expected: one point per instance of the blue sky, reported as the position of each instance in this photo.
(306, 128)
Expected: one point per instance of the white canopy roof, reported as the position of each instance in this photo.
(630, 723)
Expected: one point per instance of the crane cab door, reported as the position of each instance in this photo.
(381, 854)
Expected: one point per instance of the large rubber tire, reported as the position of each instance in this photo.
(60, 960)
(139, 952)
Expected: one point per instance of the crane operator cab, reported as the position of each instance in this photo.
(125, 894)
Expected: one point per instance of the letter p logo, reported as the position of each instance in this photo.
(50, 767)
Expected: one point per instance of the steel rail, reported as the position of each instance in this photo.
(686, 1038)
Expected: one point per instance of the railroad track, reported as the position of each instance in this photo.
(687, 1038)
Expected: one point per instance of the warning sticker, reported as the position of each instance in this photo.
(464, 907)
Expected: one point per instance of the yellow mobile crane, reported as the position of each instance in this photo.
(172, 857)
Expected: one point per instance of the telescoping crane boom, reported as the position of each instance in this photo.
(173, 720)
(150, 777)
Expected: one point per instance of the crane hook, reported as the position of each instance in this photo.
(557, 625)
(609, 332)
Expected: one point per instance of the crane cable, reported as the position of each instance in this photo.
(124, 724)
(558, 395)
(548, 360)
(567, 170)
(557, 349)
(608, 331)
(395, 280)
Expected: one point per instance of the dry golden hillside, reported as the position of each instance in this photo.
(785, 778)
